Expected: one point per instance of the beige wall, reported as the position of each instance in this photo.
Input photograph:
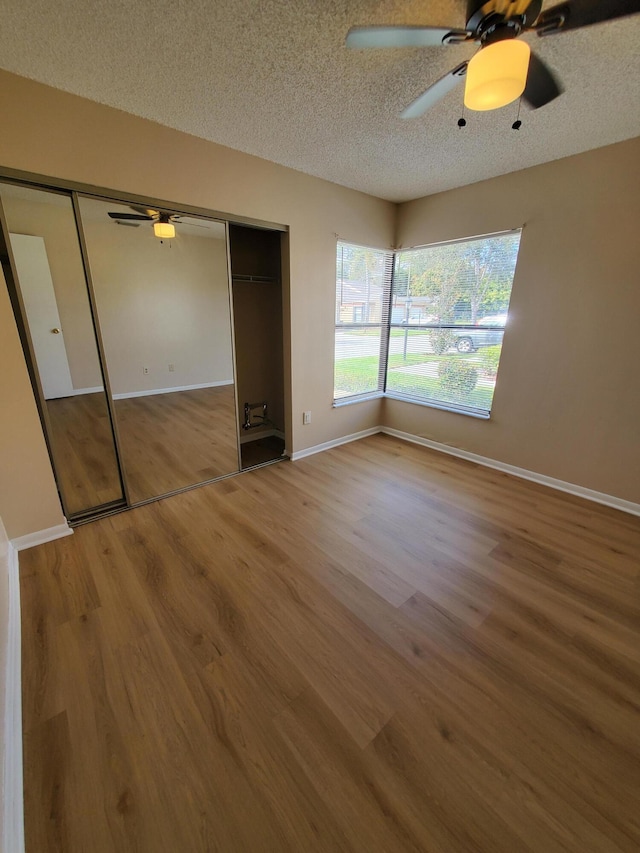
(160, 304)
(567, 401)
(4, 635)
(52, 133)
(28, 496)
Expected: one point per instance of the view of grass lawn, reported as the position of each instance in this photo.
(355, 375)
(360, 375)
(429, 387)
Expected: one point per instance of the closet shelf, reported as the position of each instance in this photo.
(258, 279)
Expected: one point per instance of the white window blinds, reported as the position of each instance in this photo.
(363, 281)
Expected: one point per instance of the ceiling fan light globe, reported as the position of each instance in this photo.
(497, 75)
(164, 230)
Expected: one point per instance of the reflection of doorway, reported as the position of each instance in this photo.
(38, 295)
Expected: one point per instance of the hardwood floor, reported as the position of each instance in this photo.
(378, 648)
(168, 441)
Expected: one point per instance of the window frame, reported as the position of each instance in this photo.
(383, 325)
(386, 325)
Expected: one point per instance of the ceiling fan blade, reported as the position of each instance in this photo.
(115, 215)
(434, 93)
(529, 11)
(582, 13)
(149, 212)
(541, 87)
(364, 37)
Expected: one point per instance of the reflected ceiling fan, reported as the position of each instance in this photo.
(163, 221)
(503, 69)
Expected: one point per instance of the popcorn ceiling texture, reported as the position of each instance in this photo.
(273, 78)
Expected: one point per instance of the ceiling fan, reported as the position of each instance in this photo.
(503, 69)
(164, 222)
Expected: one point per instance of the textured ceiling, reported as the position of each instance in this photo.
(273, 78)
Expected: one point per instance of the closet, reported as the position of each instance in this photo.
(256, 279)
(153, 337)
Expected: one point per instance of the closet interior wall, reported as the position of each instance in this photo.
(258, 324)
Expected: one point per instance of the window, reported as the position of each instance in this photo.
(439, 341)
(363, 281)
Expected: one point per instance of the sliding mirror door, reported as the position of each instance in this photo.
(41, 237)
(165, 319)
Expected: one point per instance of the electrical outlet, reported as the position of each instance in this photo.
(306, 418)
(145, 369)
(172, 368)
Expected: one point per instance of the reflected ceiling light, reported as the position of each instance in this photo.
(164, 230)
(497, 74)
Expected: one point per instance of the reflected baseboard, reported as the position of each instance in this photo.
(152, 391)
(77, 391)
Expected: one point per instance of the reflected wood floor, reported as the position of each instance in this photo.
(82, 443)
(168, 441)
(378, 648)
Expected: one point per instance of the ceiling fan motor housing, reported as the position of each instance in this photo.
(485, 16)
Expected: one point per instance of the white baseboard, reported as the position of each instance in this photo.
(29, 540)
(522, 473)
(153, 391)
(336, 442)
(13, 797)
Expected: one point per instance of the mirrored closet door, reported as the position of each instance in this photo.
(146, 382)
(163, 304)
(42, 258)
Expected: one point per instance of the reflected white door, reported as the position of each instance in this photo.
(38, 295)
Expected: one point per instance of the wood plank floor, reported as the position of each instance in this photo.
(378, 648)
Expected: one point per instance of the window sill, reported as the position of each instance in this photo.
(390, 395)
(433, 404)
(362, 398)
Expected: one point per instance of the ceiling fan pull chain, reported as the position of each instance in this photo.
(517, 123)
(462, 122)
